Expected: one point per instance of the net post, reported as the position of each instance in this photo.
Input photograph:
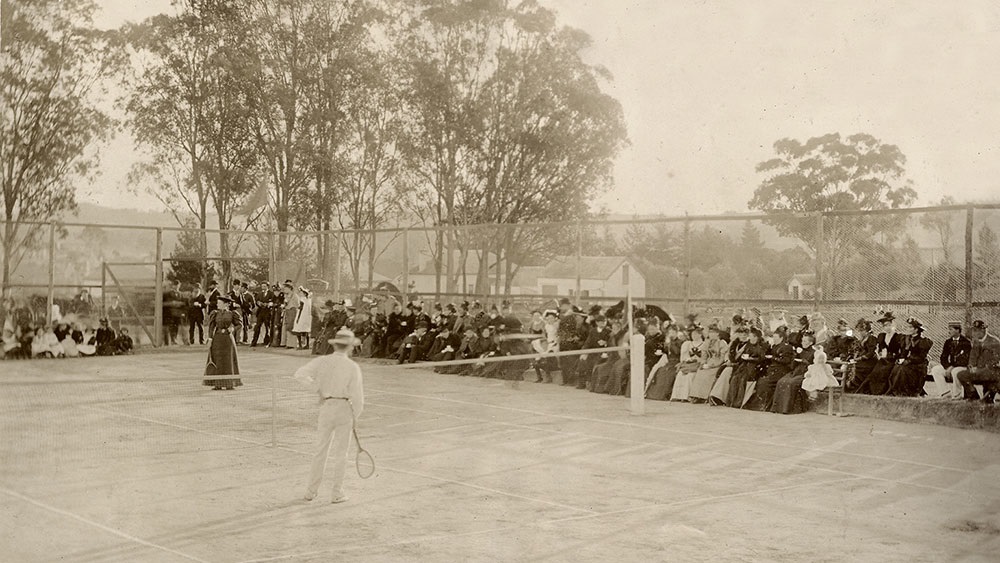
(969, 264)
(158, 298)
(637, 383)
(274, 410)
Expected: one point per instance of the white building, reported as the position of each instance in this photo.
(600, 276)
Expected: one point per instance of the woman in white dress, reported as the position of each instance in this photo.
(303, 320)
(691, 360)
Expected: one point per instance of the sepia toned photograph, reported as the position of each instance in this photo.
(499, 281)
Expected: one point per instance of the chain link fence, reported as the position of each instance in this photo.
(940, 264)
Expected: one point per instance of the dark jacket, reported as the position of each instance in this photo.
(956, 352)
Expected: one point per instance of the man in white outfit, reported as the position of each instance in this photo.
(336, 379)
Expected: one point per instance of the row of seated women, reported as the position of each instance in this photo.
(782, 375)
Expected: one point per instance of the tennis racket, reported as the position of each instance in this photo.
(364, 461)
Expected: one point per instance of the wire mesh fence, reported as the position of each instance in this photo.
(940, 263)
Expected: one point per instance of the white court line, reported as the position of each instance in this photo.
(667, 429)
(780, 462)
(542, 523)
(100, 526)
(392, 469)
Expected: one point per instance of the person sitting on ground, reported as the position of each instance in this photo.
(954, 360)
(123, 344)
(105, 339)
(984, 364)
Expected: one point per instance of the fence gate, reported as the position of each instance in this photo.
(128, 295)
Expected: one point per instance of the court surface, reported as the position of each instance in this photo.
(105, 468)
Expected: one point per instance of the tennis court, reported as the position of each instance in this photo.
(105, 467)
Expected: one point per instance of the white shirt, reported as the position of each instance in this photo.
(336, 376)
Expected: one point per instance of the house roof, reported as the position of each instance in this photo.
(805, 279)
(591, 267)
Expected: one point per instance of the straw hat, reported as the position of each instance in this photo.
(344, 337)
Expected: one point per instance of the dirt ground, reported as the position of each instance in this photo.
(131, 459)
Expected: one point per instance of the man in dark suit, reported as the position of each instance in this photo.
(196, 315)
(954, 360)
(984, 364)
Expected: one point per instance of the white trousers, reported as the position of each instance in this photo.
(333, 427)
(951, 390)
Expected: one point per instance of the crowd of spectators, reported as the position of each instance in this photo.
(747, 361)
(71, 334)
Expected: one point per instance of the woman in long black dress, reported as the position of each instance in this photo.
(664, 373)
(222, 358)
(888, 346)
(910, 372)
(781, 361)
(789, 398)
(863, 354)
(748, 368)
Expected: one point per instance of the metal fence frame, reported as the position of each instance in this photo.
(324, 238)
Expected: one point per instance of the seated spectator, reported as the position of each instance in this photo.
(863, 354)
(123, 344)
(749, 367)
(954, 360)
(841, 341)
(781, 361)
(105, 339)
(714, 352)
(789, 398)
(664, 373)
(888, 347)
(910, 372)
(415, 346)
(88, 343)
(691, 360)
(819, 375)
(983, 361)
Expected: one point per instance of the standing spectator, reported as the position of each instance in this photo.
(277, 305)
(262, 315)
(303, 319)
(291, 312)
(213, 296)
(116, 314)
(196, 315)
(169, 316)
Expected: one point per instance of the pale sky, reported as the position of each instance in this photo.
(707, 87)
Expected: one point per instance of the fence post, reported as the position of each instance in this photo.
(405, 290)
(50, 299)
(969, 264)
(336, 265)
(158, 300)
(104, 290)
(687, 265)
(272, 274)
(579, 263)
(820, 257)
(274, 409)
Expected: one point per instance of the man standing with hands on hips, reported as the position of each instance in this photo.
(336, 379)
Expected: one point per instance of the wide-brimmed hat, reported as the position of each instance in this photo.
(344, 336)
(886, 317)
